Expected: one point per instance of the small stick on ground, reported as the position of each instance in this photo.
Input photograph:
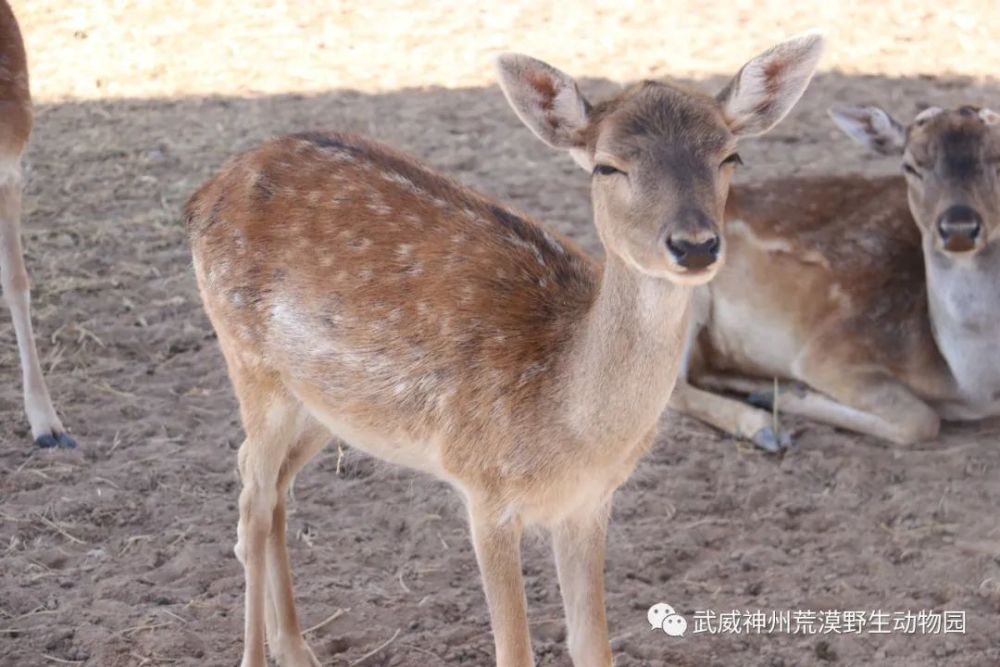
(403, 583)
(774, 410)
(62, 660)
(329, 619)
(56, 527)
(376, 649)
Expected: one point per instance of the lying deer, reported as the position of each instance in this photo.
(357, 293)
(15, 128)
(892, 326)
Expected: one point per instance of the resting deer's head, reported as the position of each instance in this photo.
(661, 155)
(951, 159)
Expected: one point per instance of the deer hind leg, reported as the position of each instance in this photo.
(497, 541)
(284, 633)
(281, 437)
(865, 402)
(579, 545)
(729, 415)
(46, 428)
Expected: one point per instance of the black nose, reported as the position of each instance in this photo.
(959, 227)
(694, 254)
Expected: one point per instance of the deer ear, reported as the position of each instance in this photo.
(546, 100)
(871, 127)
(767, 87)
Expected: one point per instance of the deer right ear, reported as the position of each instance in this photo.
(871, 127)
(546, 100)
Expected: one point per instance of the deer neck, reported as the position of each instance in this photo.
(964, 304)
(624, 360)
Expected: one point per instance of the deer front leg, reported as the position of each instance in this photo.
(861, 402)
(497, 541)
(731, 416)
(579, 544)
(46, 428)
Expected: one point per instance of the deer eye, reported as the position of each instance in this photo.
(911, 170)
(606, 170)
(732, 159)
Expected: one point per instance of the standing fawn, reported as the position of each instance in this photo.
(892, 325)
(15, 128)
(357, 293)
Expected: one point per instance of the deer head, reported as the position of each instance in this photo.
(661, 155)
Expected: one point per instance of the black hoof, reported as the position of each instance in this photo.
(50, 440)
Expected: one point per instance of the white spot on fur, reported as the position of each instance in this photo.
(553, 243)
(927, 114)
(779, 245)
(379, 208)
(521, 243)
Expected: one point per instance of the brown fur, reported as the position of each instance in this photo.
(15, 96)
(422, 300)
(832, 275)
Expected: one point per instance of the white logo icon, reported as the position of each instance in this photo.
(662, 616)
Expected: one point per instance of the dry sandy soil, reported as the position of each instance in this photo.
(120, 553)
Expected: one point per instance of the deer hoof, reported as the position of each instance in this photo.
(50, 440)
(770, 441)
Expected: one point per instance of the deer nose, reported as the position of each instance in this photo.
(959, 227)
(694, 253)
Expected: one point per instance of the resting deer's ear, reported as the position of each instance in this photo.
(767, 87)
(546, 100)
(871, 127)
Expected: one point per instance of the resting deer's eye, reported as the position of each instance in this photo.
(606, 170)
(732, 159)
(911, 170)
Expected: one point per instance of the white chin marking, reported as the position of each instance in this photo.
(677, 277)
(989, 116)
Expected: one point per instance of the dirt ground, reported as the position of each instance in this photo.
(120, 553)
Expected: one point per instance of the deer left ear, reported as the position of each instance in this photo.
(767, 87)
